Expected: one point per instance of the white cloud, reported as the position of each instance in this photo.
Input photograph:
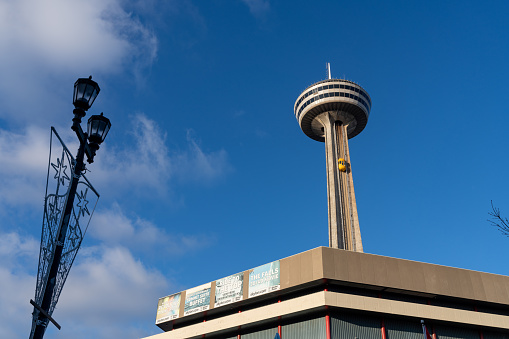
(115, 285)
(146, 165)
(150, 165)
(24, 158)
(108, 293)
(17, 290)
(198, 166)
(12, 246)
(18, 286)
(50, 42)
(113, 227)
(258, 8)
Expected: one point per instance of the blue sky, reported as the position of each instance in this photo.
(205, 171)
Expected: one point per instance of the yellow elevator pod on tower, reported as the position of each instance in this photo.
(342, 164)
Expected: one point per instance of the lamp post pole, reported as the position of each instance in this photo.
(85, 92)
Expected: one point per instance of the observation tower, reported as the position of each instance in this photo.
(335, 110)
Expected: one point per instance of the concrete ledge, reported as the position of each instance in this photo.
(319, 300)
(420, 311)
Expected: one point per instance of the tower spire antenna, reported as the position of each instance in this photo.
(327, 68)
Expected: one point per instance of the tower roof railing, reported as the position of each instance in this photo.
(330, 80)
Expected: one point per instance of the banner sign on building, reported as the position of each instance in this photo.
(229, 289)
(197, 299)
(264, 279)
(168, 308)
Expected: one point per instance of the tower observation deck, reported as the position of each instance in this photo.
(335, 110)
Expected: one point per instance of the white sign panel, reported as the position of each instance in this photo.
(264, 279)
(168, 308)
(229, 289)
(197, 299)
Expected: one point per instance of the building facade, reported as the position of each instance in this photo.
(329, 293)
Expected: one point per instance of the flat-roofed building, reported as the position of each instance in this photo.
(333, 293)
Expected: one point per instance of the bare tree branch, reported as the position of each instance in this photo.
(498, 221)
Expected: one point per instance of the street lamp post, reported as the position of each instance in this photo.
(85, 92)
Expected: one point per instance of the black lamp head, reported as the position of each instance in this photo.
(98, 128)
(85, 92)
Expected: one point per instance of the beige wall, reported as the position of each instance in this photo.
(391, 273)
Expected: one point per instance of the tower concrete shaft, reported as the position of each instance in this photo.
(333, 111)
(344, 231)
